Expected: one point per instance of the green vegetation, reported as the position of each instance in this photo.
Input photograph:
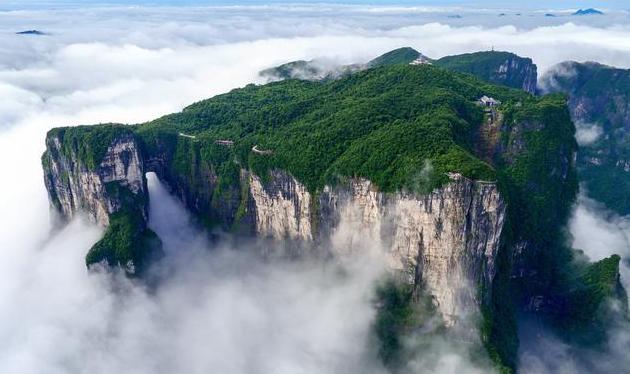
(381, 124)
(126, 243)
(584, 308)
(88, 143)
(398, 56)
(127, 240)
(486, 66)
(599, 95)
(400, 312)
(401, 126)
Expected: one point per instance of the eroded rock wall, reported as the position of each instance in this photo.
(73, 187)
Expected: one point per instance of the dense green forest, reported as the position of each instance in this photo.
(381, 124)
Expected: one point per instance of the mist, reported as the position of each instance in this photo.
(220, 307)
(600, 233)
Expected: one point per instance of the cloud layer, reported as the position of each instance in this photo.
(133, 64)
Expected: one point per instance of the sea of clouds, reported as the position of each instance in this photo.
(227, 311)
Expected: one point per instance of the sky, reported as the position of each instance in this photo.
(133, 64)
(550, 4)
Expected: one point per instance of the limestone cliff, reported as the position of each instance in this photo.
(327, 167)
(110, 190)
(444, 242)
(502, 68)
(73, 187)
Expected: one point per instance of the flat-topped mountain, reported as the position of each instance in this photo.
(466, 185)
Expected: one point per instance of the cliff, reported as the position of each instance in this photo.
(465, 203)
(502, 68)
(111, 191)
(496, 67)
(445, 242)
(599, 100)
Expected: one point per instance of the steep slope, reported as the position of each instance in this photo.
(503, 68)
(309, 70)
(392, 151)
(404, 55)
(321, 70)
(99, 170)
(599, 100)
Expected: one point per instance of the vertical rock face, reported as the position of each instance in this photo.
(282, 207)
(496, 67)
(599, 101)
(445, 242)
(73, 187)
(519, 70)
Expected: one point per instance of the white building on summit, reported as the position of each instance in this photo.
(488, 101)
(421, 60)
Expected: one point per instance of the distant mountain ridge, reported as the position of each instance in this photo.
(31, 32)
(588, 12)
(502, 68)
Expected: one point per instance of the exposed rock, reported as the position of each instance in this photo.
(599, 102)
(445, 242)
(73, 187)
(282, 207)
(496, 67)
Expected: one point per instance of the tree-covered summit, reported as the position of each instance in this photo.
(382, 124)
(501, 68)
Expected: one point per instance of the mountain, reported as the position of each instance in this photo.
(405, 55)
(322, 70)
(31, 32)
(495, 67)
(467, 199)
(501, 68)
(588, 12)
(308, 70)
(599, 100)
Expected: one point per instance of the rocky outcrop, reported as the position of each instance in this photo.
(282, 207)
(444, 242)
(516, 69)
(599, 101)
(496, 67)
(110, 188)
(74, 187)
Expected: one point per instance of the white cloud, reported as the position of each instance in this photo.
(134, 64)
(601, 233)
(586, 133)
